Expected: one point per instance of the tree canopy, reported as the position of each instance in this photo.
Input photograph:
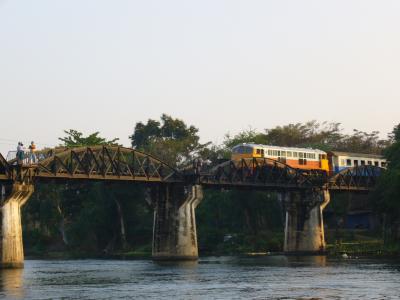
(325, 136)
(168, 139)
(75, 138)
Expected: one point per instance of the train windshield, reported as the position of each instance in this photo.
(242, 150)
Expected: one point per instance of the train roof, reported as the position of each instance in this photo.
(352, 154)
(283, 148)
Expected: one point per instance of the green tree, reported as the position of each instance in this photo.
(324, 136)
(75, 138)
(168, 139)
(387, 195)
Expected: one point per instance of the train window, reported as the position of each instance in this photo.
(258, 151)
(302, 161)
(383, 164)
(283, 153)
(369, 163)
(348, 162)
(262, 152)
(363, 162)
(342, 162)
(301, 154)
(356, 162)
(288, 154)
(295, 154)
(269, 152)
(376, 163)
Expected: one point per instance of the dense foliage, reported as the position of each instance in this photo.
(103, 218)
(169, 139)
(387, 195)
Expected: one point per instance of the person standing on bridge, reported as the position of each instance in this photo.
(32, 155)
(20, 153)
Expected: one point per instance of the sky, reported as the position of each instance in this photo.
(222, 66)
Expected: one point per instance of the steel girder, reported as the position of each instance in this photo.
(105, 163)
(262, 173)
(271, 174)
(359, 178)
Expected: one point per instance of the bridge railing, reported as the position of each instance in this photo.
(28, 159)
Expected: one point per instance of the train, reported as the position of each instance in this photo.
(307, 158)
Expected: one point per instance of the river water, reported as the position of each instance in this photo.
(273, 277)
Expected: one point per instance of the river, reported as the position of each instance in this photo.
(272, 277)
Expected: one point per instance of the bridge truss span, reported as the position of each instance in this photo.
(105, 163)
(262, 173)
(358, 178)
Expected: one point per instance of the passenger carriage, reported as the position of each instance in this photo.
(339, 161)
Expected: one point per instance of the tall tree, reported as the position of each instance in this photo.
(169, 139)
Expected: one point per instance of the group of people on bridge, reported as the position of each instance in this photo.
(23, 154)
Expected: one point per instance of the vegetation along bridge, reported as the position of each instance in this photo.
(174, 194)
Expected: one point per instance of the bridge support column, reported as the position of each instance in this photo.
(304, 228)
(12, 251)
(174, 231)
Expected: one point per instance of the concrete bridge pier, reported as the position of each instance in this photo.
(12, 251)
(304, 227)
(174, 230)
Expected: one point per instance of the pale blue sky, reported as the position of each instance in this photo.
(220, 65)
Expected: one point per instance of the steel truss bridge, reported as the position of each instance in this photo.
(124, 164)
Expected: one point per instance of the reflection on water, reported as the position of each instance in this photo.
(282, 261)
(189, 264)
(11, 282)
(269, 277)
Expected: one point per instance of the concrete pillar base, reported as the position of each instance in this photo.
(12, 251)
(174, 231)
(304, 230)
(11, 265)
(175, 258)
